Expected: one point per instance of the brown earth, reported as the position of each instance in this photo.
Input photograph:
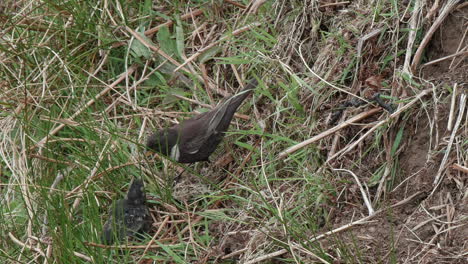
(420, 230)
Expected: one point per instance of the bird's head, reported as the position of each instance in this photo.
(136, 193)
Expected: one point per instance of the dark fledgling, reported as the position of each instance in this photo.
(128, 216)
(196, 138)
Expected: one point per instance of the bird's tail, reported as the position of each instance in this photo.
(236, 100)
(223, 116)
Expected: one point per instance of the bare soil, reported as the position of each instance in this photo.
(414, 232)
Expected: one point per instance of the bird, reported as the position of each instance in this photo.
(195, 139)
(128, 216)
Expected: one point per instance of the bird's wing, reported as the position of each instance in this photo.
(211, 120)
(230, 105)
(135, 218)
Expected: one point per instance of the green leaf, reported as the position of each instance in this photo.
(374, 180)
(156, 79)
(209, 54)
(292, 96)
(171, 253)
(180, 39)
(162, 15)
(138, 49)
(410, 79)
(243, 145)
(233, 60)
(397, 141)
(170, 98)
(165, 42)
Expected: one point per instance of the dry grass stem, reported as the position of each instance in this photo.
(24, 245)
(361, 188)
(462, 41)
(122, 77)
(459, 168)
(235, 4)
(449, 6)
(156, 49)
(334, 4)
(461, 113)
(267, 256)
(328, 132)
(460, 53)
(412, 36)
(453, 103)
(392, 116)
(169, 23)
(209, 46)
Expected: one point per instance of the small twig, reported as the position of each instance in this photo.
(406, 179)
(214, 43)
(83, 256)
(443, 14)
(49, 249)
(392, 116)
(154, 48)
(412, 36)
(431, 242)
(452, 107)
(235, 4)
(163, 224)
(459, 167)
(463, 52)
(363, 192)
(235, 253)
(328, 132)
(433, 10)
(24, 245)
(402, 202)
(267, 256)
(52, 160)
(462, 5)
(255, 5)
(130, 246)
(387, 170)
(461, 113)
(462, 40)
(334, 4)
(423, 223)
(169, 23)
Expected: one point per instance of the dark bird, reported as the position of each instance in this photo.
(128, 216)
(196, 138)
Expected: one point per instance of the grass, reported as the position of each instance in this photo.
(57, 67)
